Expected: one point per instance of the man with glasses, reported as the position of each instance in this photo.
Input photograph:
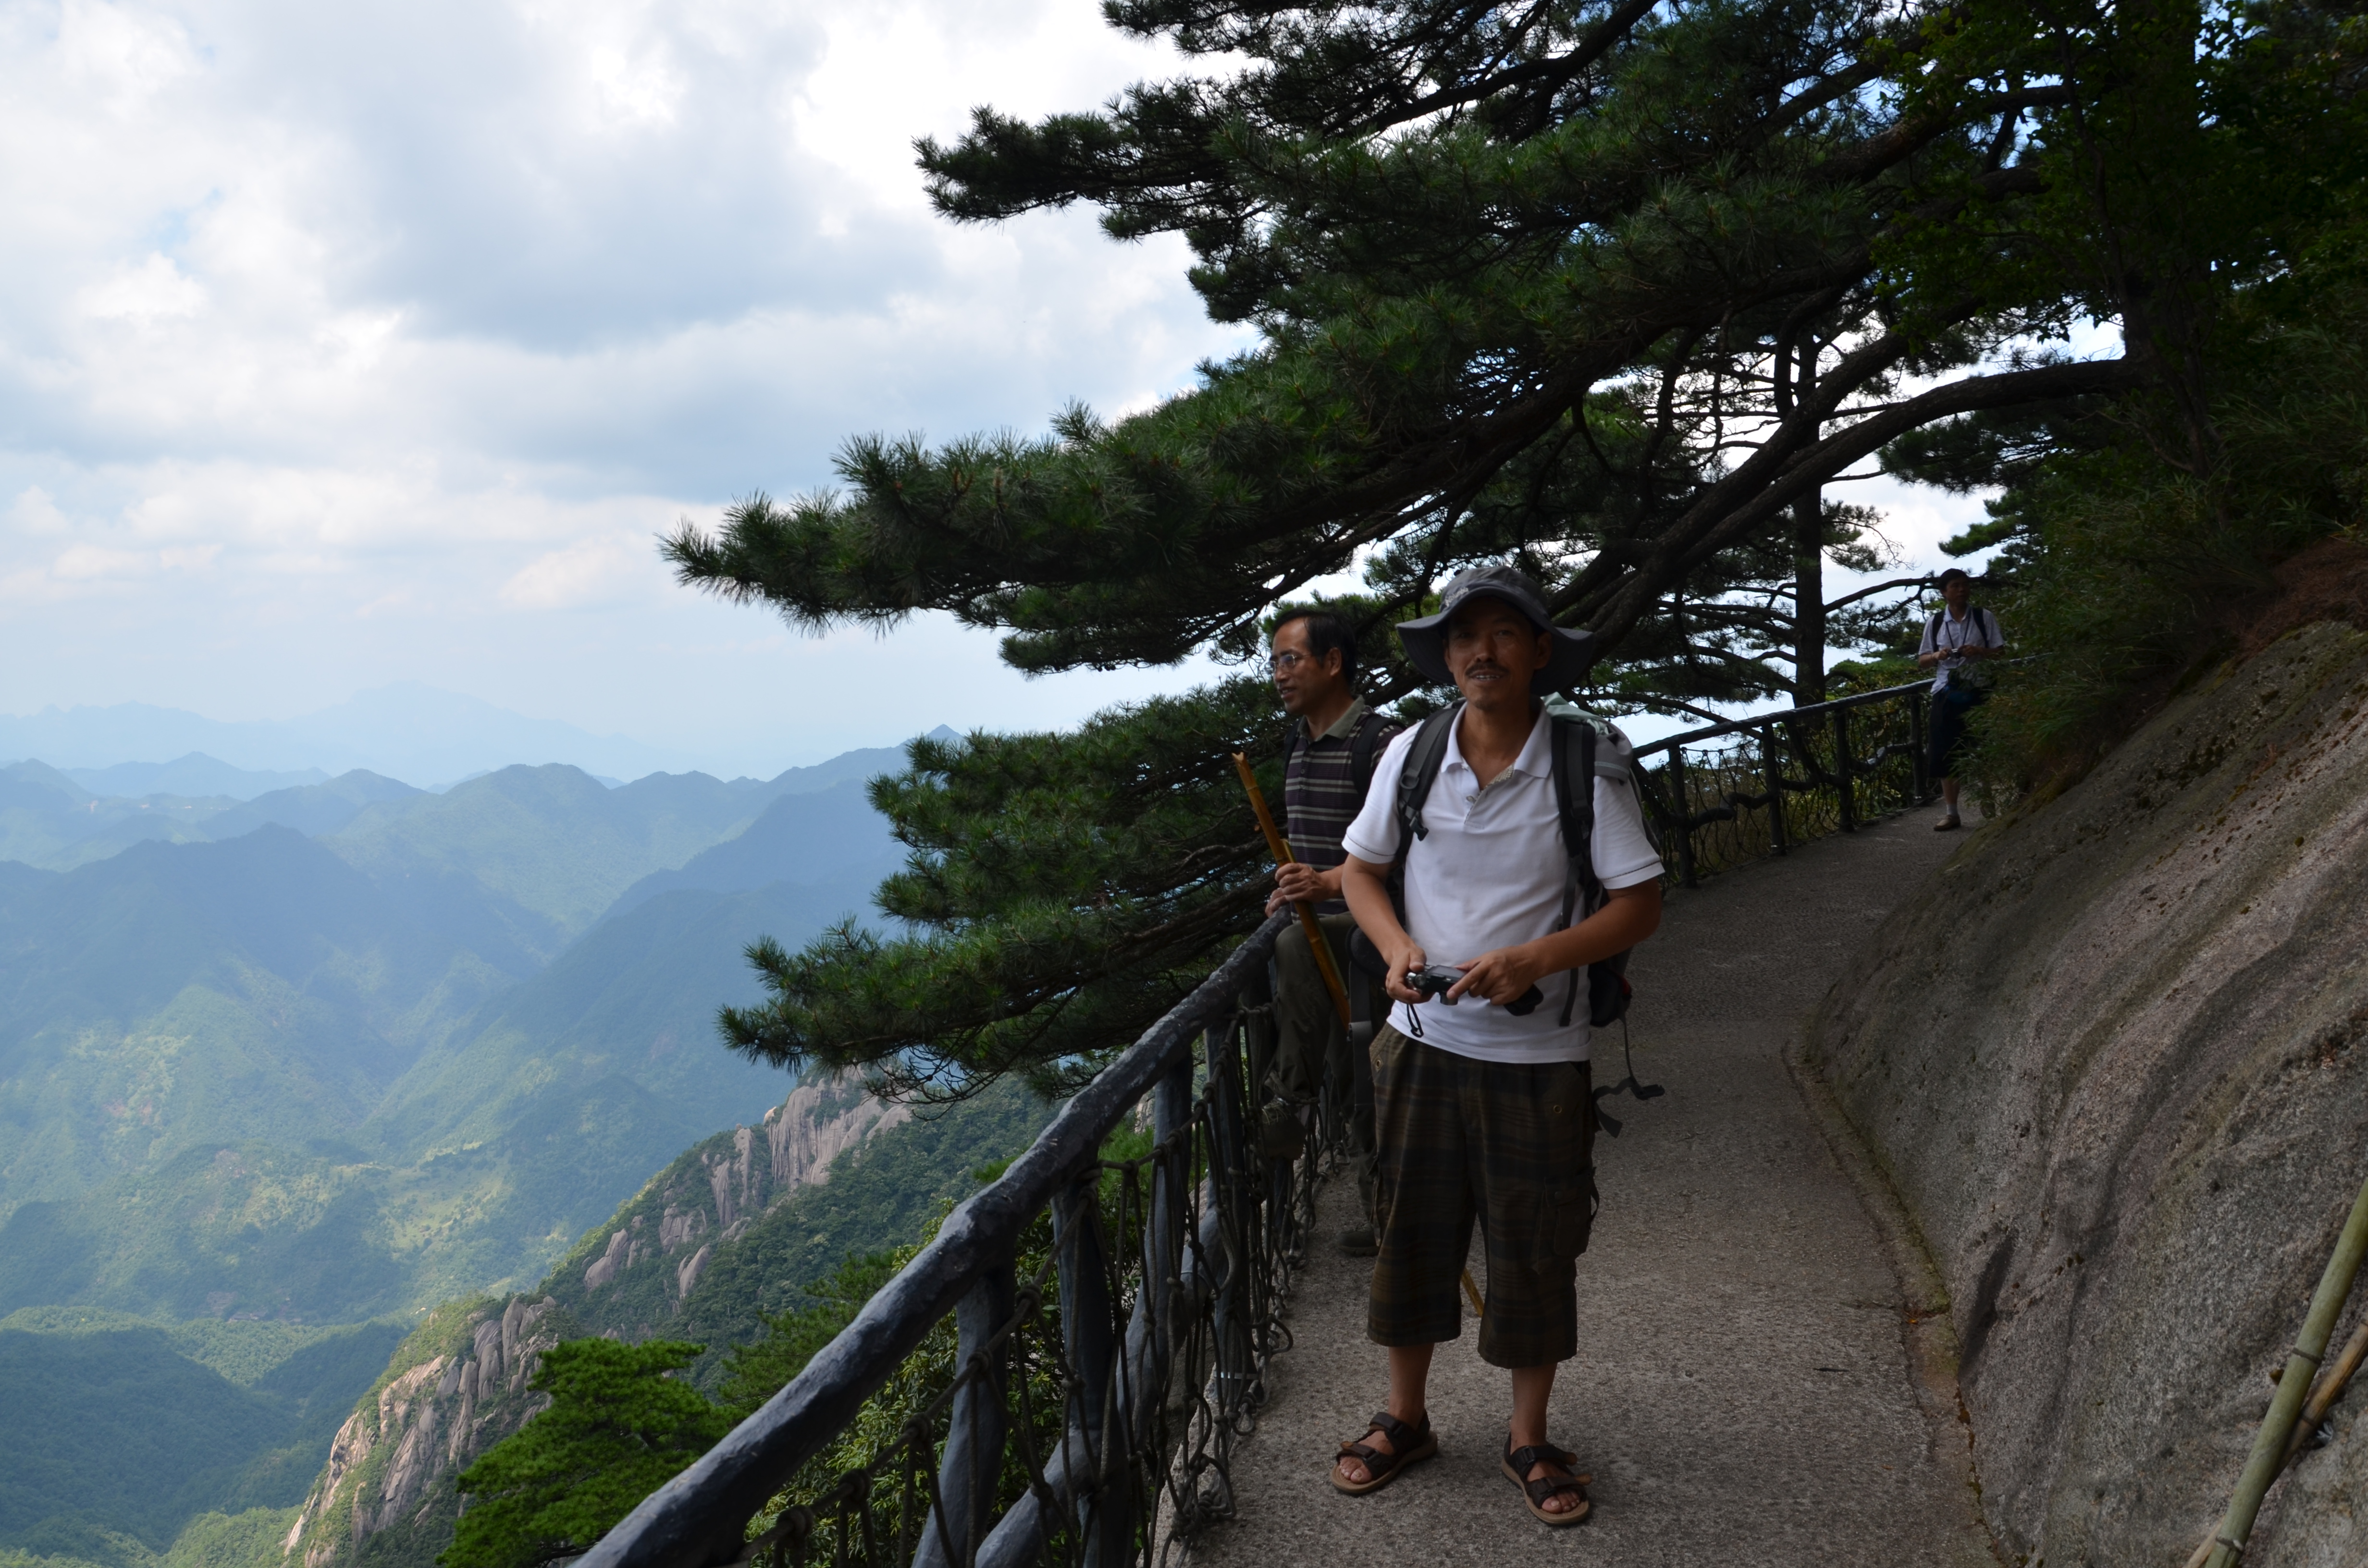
(1335, 739)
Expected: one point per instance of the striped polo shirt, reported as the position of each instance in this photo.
(1319, 789)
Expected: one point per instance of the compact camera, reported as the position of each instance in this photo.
(1434, 980)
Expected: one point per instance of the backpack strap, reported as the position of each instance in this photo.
(1424, 757)
(1363, 745)
(1574, 783)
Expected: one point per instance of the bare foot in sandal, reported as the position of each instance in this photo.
(1553, 1490)
(1389, 1445)
(1352, 1468)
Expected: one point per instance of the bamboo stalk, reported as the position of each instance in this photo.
(2329, 1388)
(2332, 1380)
(1283, 857)
(2269, 1443)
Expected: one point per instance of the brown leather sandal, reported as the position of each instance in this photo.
(1412, 1445)
(1518, 1464)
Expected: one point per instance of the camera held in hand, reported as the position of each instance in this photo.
(1434, 980)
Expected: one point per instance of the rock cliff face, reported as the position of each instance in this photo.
(455, 1388)
(632, 1275)
(2112, 1060)
(459, 1384)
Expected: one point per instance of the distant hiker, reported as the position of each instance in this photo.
(1481, 1107)
(1956, 635)
(1335, 739)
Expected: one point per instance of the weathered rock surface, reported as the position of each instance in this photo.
(459, 1384)
(455, 1388)
(2110, 1058)
(632, 1274)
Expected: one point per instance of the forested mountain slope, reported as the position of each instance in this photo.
(2112, 1061)
(726, 1234)
(251, 1075)
(325, 1078)
(141, 1428)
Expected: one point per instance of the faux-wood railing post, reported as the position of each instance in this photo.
(1842, 770)
(1099, 1476)
(1685, 816)
(1231, 1190)
(977, 1428)
(1775, 761)
(1163, 1238)
(1923, 782)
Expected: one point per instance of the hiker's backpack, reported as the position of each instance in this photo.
(1585, 747)
(1977, 678)
(1974, 620)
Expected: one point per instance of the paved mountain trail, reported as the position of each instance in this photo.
(1745, 1389)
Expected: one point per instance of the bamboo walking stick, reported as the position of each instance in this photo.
(1283, 857)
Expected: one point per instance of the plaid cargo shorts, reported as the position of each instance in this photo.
(1510, 1144)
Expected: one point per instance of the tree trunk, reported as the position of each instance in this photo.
(1808, 600)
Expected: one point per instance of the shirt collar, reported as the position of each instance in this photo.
(1537, 753)
(1344, 725)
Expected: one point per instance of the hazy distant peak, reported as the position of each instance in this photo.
(192, 775)
(35, 782)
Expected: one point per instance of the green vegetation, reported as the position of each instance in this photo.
(250, 1539)
(1612, 290)
(2147, 537)
(251, 1093)
(284, 1357)
(244, 1077)
(879, 1196)
(558, 1477)
(551, 841)
(146, 1427)
(617, 1428)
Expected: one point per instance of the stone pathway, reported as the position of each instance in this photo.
(1744, 1391)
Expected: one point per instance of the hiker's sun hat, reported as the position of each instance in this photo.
(1426, 640)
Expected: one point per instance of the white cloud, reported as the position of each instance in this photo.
(591, 571)
(153, 292)
(346, 345)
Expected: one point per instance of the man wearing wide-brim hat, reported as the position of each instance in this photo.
(1483, 1111)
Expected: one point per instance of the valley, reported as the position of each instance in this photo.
(285, 1079)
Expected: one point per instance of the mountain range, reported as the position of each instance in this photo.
(323, 1076)
(287, 1079)
(407, 731)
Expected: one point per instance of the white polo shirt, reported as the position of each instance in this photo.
(1948, 634)
(1488, 874)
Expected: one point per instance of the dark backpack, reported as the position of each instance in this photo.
(1578, 754)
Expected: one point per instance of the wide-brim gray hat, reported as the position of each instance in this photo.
(1426, 640)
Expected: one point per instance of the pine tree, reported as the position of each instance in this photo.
(1613, 291)
(619, 1426)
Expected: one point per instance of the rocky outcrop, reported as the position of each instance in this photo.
(632, 1274)
(454, 1388)
(2111, 1061)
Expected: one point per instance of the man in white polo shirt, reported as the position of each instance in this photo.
(1483, 1110)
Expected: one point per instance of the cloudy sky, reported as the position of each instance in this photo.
(342, 345)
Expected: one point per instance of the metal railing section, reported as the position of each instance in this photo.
(1111, 1325)
(1787, 776)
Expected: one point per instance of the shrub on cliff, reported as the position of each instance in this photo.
(619, 1427)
